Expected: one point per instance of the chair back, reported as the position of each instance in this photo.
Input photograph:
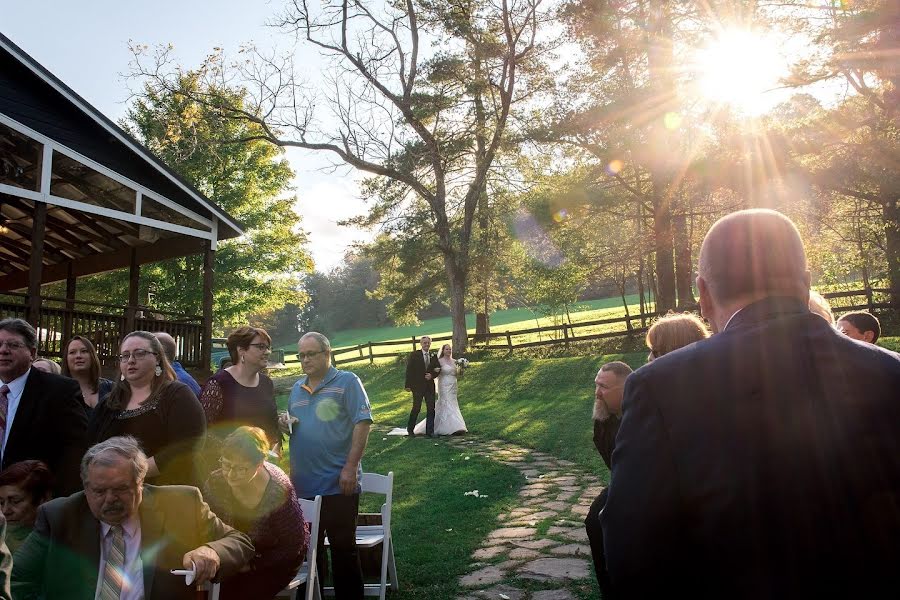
(381, 484)
(312, 510)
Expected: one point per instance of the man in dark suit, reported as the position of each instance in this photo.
(41, 414)
(763, 462)
(119, 539)
(421, 369)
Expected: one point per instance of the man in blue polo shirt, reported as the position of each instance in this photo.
(328, 422)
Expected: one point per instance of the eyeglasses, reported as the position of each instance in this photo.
(137, 354)
(233, 468)
(12, 344)
(262, 347)
(305, 355)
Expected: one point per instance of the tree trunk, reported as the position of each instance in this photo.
(456, 277)
(662, 145)
(683, 269)
(482, 324)
(891, 212)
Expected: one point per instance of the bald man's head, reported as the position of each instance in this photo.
(752, 253)
(747, 255)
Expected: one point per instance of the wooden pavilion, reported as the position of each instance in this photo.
(79, 196)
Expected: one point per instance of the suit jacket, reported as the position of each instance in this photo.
(763, 462)
(61, 557)
(50, 425)
(416, 369)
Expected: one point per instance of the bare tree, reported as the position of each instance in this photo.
(422, 94)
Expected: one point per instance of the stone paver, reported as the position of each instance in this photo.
(572, 550)
(553, 595)
(481, 577)
(558, 568)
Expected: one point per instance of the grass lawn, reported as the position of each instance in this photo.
(510, 319)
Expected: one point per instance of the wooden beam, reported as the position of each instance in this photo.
(71, 282)
(37, 263)
(209, 267)
(134, 281)
(109, 261)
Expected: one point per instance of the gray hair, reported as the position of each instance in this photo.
(169, 346)
(621, 369)
(123, 446)
(324, 344)
(21, 327)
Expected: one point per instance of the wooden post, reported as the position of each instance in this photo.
(36, 265)
(371, 357)
(509, 342)
(414, 340)
(209, 266)
(566, 334)
(70, 304)
(134, 280)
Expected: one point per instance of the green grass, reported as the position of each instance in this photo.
(510, 319)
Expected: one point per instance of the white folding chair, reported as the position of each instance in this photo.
(369, 536)
(308, 574)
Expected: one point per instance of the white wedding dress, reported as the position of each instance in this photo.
(447, 418)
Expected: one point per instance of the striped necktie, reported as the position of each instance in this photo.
(114, 569)
(4, 407)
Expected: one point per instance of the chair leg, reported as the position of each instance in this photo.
(385, 559)
(392, 568)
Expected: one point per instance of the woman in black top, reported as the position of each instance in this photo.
(81, 363)
(242, 394)
(149, 404)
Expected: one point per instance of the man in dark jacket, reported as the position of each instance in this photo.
(763, 462)
(608, 388)
(421, 369)
(41, 414)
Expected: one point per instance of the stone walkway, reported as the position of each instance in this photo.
(540, 549)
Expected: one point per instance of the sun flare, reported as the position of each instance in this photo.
(738, 68)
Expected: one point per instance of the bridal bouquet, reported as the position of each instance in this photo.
(462, 363)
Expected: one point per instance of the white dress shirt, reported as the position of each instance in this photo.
(133, 582)
(16, 387)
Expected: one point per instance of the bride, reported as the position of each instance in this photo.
(447, 419)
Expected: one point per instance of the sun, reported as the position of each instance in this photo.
(739, 68)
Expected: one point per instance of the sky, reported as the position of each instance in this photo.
(85, 44)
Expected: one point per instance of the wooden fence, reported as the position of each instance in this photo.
(564, 334)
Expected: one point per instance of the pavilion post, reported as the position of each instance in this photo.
(70, 304)
(134, 280)
(36, 264)
(209, 256)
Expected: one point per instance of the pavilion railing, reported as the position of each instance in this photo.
(105, 325)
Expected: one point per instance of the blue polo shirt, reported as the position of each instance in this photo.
(321, 440)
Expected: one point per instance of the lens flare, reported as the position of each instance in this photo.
(615, 166)
(672, 120)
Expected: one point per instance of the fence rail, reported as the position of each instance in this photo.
(566, 333)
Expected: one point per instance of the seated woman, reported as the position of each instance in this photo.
(24, 486)
(674, 331)
(81, 363)
(147, 403)
(257, 498)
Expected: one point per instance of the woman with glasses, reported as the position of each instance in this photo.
(81, 363)
(149, 404)
(242, 394)
(257, 498)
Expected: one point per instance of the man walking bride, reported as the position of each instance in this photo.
(448, 419)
